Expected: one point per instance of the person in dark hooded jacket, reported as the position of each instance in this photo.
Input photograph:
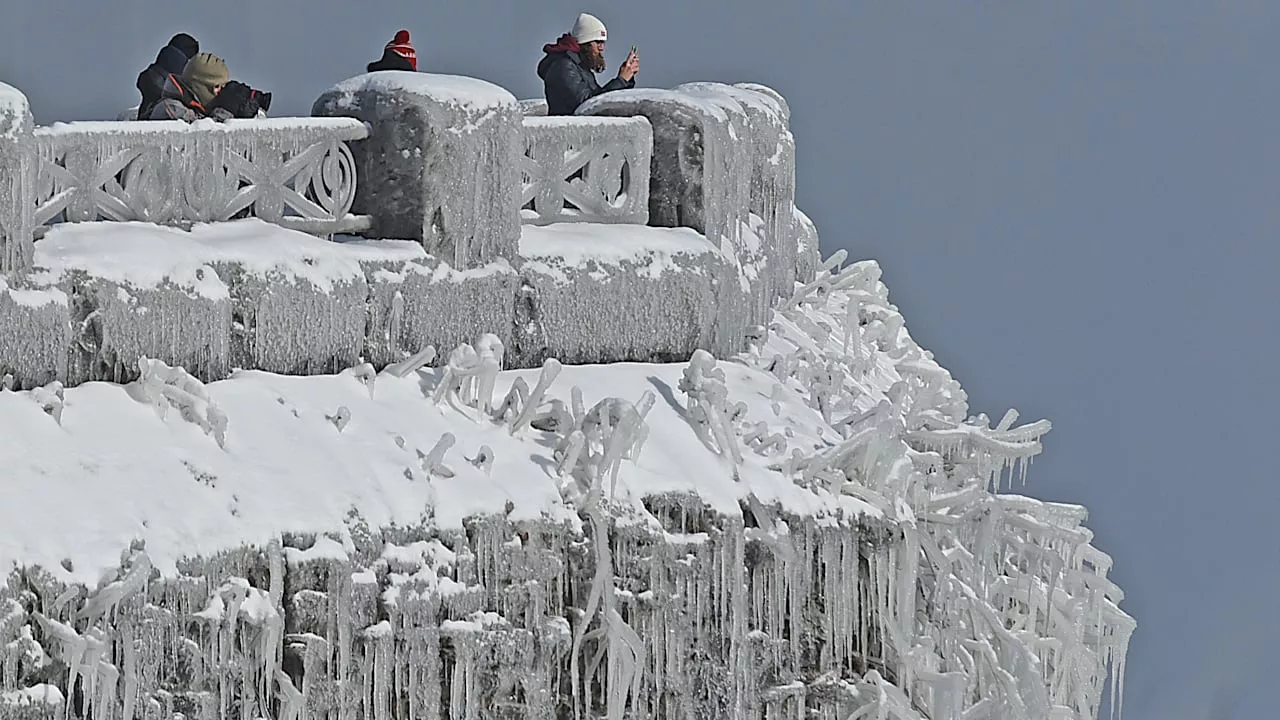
(569, 70)
(171, 59)
(397, 55)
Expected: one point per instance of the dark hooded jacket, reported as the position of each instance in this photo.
(179, 103)
(170, 61)
(567, 82)
(391, 60)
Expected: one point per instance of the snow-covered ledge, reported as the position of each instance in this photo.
(582, 169)
(293, 172)
(16, 175)
(440, 165)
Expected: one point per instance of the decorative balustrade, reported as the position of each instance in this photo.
(578, 169)
(293, 172)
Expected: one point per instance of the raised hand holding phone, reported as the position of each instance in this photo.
(630, 66)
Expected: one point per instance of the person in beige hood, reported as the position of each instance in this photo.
(191, 96)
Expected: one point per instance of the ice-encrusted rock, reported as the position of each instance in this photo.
(820, 534)
(582, 286)
(584, 169)
(422, 302)
(17, 179)
(35, 330)
(441, 165)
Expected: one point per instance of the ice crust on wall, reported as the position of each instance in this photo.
(583, 285)
(35, 331)
(17, 175)
(422, 302)
(812, 528)
(251, 295)
(440, 165)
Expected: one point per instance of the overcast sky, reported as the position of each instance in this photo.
(1075, 205)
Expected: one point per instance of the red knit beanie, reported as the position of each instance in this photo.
(401, 46)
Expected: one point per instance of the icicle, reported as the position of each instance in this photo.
(433, 462)
(412, 364)
(550, 370)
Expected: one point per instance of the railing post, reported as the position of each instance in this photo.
(441, 165)
(17, 181)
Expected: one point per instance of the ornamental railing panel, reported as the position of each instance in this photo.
(580, 169)
(294, 172)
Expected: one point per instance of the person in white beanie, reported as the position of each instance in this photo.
(569, 69)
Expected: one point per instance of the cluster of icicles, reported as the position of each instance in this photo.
(981, 605)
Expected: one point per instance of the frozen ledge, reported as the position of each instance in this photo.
(455, 89)
(252, 295)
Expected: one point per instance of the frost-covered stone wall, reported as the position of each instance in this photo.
(445, 162)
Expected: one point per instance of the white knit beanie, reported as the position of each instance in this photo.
(588, 28)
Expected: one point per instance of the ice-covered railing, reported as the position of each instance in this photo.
(586, 170)
(293, 172)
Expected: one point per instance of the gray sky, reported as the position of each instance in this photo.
(1075, 205)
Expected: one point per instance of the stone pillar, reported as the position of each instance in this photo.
(706, 176)
(441, 165)
(17, 181)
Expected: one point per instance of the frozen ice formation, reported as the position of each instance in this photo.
(439, 166)
(424, 474)
(814, 527)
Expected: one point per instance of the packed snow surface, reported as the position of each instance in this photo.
(127, 473)
(145, 255)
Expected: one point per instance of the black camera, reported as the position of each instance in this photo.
(242, 101)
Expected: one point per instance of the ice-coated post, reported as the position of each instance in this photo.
(441, 165)
(700, 178)
(764, 114)
(17, 181)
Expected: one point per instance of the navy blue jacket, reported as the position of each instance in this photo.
(567, 82)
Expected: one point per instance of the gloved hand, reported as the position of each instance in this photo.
(237, 99)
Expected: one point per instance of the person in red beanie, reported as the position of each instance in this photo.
(397, 55)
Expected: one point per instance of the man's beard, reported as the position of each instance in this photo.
(593, 62)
